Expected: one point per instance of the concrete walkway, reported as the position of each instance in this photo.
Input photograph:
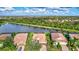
(77, 48)
(64, 48)
(43, 48)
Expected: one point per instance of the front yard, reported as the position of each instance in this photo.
(7, 45)
(32, 45)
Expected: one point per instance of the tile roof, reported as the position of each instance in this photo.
(74, 36)
(40, 36)
(20, 39)
(4, 36)
(42, 39)
(58, 37)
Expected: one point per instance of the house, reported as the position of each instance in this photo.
(4, 36)
(58, 37)
(42, 40)
(20, 40)
(74, 36)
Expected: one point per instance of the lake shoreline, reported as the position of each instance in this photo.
(48, 28)
(51, 29)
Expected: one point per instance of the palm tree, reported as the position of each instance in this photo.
(59, 46)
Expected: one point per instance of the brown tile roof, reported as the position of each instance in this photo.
(40, 36)
(42, 39)
(74, 36)
(4, 36)
(58, 37)
(20, 39)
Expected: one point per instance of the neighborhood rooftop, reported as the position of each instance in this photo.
(58, 37)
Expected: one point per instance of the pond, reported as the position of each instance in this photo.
(10, 28)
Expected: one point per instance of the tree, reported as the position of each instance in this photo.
(34, 45)
(9, 43)
(72, 44)
(59, 46)
(67, 36)
(13, 34)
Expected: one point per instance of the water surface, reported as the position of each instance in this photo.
(10, 28)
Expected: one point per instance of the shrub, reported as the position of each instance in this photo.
(13, 34)
(9, 43)
(59, 46)
(34, 45)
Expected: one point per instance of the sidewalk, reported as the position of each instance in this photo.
(64, 48)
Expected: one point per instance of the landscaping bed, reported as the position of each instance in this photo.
(32, 45)
(50, 43)
(7, 43)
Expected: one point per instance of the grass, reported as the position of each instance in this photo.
(29, 39)
(47, 27)
(50, 43)
(71, 44)
(8, 45)
(32, 45)
(40, 22)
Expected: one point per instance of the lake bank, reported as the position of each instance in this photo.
(49, 28)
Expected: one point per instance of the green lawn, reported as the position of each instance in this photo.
(32, 45)
(8, 45)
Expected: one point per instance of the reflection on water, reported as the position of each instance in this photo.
(9, 28)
